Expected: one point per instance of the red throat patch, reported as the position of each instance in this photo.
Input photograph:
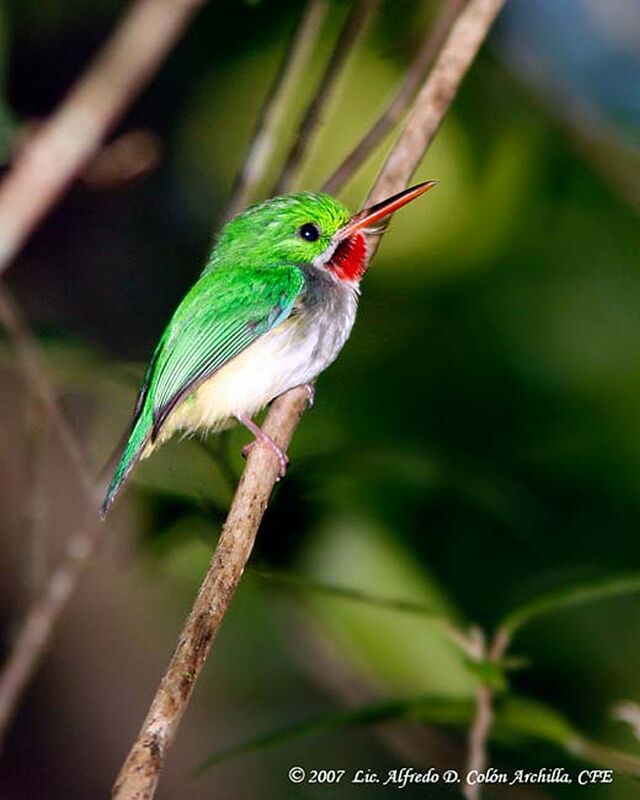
(349, 261)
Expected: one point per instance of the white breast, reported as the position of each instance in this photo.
(293, 353)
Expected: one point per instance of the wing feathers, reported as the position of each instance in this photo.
(224, 313)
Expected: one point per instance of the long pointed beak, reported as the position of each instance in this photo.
(369, 216)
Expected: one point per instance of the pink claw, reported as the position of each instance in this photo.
(310, 389)
(263, 438)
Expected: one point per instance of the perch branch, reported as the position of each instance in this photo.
(270, 117)
(58, 151)
(140, 772)
(353, 29)
(45, 167)
(394, 112)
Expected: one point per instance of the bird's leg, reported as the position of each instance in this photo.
(263, 438)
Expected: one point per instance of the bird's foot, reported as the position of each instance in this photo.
(263, 438)
(310, 389)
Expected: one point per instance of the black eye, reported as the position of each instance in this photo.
(309, 232)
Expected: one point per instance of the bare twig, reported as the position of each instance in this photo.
(53, 157)
(354, 27)
(394, 112)
(141, 771)
(435, 97)
(499, 644)
(483, 718)
(35, 502)
(275, 104)
(42, 171)
(139, 775)
(35, 373)
(478, 735)
(481, 724)
(36, 630)
(37, 627)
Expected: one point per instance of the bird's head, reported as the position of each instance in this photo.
(307, 228)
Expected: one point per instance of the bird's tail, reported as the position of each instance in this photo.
(132, 451)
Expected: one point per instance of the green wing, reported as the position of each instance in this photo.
(223, 314)
(225, 311)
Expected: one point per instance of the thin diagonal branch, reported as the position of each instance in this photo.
(140, 772)
(37, 628)
(35, 505)
(394, 112)
(353, 29)
(435, 97)
(34, 370)
(272, 112)
(44, 169)
(55, 155)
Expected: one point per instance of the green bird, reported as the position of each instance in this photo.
(272, 309)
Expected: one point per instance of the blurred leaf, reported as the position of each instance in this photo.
(520, 717)
(569, 596)
(300, 585)
(407, 653)
(489, 672)
(184, 470)
(186, 563)
(517, 717)
(433, 709)
(607, 756)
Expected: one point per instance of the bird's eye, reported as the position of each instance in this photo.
(309, 232)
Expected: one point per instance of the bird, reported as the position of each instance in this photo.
(271, 310)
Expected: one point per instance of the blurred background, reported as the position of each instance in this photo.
(475, 447)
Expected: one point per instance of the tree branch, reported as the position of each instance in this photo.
(37, 628)
(42, 615)
(58, 151)
(33, 368)
(478, 734)
(275, 104)
(480, 725)
(354, 27)
(394, 112)
(139, 775)
(467, 35)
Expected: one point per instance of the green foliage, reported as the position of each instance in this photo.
(517, 719)
(423, 709)
(568, 596)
